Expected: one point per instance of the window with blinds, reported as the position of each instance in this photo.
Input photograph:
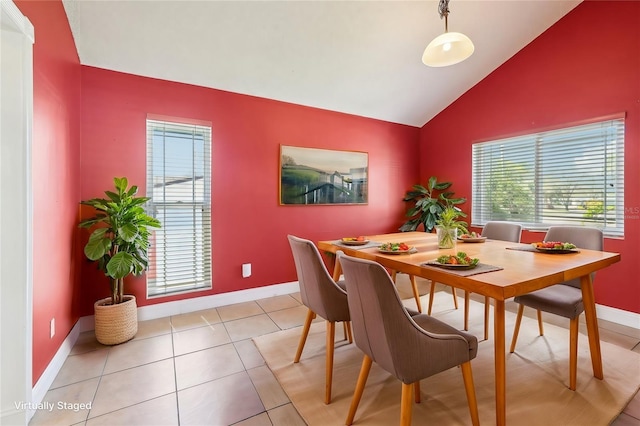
(571, 176)
(179, 185)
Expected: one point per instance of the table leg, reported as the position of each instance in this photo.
(337, 270)
(500, 361)
(592, 325)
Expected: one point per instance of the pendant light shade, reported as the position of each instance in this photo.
(448, 48)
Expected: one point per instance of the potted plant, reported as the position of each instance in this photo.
(119, 244)
(448, 225)
(430, 202)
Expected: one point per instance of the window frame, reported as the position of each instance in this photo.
(197, 208)
(542, 162)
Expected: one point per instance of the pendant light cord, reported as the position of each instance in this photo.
(443, 9)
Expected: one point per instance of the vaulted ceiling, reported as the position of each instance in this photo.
(356, 57)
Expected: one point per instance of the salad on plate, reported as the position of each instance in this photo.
(472, 237)
(395, 248)
(460, 259)
(553, 245)
(354, 241)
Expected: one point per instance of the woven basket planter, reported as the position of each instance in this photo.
(116, 324)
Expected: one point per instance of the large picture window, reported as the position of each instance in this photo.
(179, 184)
(572, 176)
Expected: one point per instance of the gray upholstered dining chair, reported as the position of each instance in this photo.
(564, 299)
(322, 296)
(409, 347)
(494, 230)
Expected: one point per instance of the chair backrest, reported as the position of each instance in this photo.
(384, 330)
(504, 231)
(582, 237)
(318, 291)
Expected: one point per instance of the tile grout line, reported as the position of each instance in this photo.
(95, 393)
(175, 370)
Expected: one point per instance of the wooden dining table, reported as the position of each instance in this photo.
(522, 271)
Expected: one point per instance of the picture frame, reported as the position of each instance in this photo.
(314, 176)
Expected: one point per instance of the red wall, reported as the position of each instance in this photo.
(249, 225)
(56, 166)
(585, 66)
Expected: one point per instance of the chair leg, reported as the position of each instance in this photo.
(433, 291)
(406, 404)
(486, 314)
(470, 389)
(431, 294)
(517, 328)
(331, 335)
(357, 393)
(487, 305)
(305, 332)
(573, 352)
(416, 389)
(540, 327)
(455, 299)
(466, 310)
(416, 294)
(414, 287)
(347, 324)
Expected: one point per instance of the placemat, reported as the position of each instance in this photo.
(480, 269)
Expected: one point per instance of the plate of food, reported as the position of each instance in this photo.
(354, 241)
(472, 237)
(557, 247)
(396, 248)
(457, 261)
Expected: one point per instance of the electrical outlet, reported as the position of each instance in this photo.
(52, 328)
(246, 270)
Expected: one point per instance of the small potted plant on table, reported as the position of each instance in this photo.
(448, 226)
(119, 244)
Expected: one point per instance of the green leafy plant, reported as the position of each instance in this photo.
(429, 203)
(120, 241)
(448, 221)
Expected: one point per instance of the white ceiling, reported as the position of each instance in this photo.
(357, 57)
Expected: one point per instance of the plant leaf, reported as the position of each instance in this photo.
(442, 185)
(121, 184)
(120, 265)
(433, 181)
(128, 232)
(98, 244)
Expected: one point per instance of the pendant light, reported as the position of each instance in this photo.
(448, 48)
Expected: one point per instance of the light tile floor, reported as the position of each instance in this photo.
(202, 368)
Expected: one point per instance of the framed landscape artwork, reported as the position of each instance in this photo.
(322, 176)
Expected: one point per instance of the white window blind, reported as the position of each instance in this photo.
(572, 176)
(179, 184)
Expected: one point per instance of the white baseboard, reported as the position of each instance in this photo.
(184, 306)
(48, 376)
(618, 316)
